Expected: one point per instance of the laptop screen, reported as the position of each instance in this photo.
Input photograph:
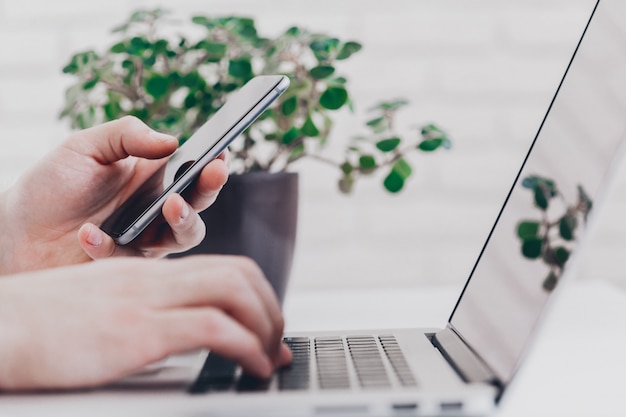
(548, 209)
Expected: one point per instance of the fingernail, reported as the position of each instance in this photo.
(162, 137)
(94, 237)
(184, 213)
(266, 368)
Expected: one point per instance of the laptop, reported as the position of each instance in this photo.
(466, 367)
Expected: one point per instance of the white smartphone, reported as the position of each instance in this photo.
(206, 144)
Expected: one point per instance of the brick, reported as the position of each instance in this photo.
(28, 94)
(484, 70)
(530, 26)
(23, 48)
(497, 76)
(72, 11)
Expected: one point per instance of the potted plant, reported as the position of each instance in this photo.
(176, 82)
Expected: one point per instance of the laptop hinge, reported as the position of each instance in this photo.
(467, 364)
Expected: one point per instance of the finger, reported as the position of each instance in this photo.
(225, 156)
(99, 245)
(285, 356)
(113, 141)
(270, 301)
(186, 283)
(187, 228)
(207, 186)
(187, 329)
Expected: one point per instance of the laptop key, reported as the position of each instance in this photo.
(248, 383)
(398, 361)
(217, 374)
(368, 362)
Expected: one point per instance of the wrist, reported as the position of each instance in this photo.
(5, 235)
(12, 335)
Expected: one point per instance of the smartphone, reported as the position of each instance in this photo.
(240, 110)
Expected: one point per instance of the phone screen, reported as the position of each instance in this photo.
(239, 111)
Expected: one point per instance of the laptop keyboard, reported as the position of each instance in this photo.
(373, 361)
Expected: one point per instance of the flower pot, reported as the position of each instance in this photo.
(255, 215)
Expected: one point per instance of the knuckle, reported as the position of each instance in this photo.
(236, 284)
(130, 121)
(196, 232)
(249, 267)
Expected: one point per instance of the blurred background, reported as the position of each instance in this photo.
(483, 70)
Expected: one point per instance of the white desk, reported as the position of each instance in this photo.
(576, 367)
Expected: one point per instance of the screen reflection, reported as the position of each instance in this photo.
(547, 211)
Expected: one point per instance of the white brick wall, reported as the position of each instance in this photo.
(485, 70)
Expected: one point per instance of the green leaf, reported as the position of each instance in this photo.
(529, 182)
(534, 182)
(393, 182)
(293, 31)
(348, 49)
(561, 255)
(391, 105)
(322, 71)
(141, 114)
(244, 27)
(402, 167)
(88, 85)
(322, 48)
(337, 81)
(119, 48)
(138, 46)
(557, 257)
(121, 28)
(70, 68)
(157, 85)
(149, 61)
(240, 68)
(190, 101)
(289, 106)
(388, 145)
(541, 200)
(333, 98)
(567, 226)
(128, 65)
(191, 80)
(532, 247)
(112, 109)
(290, 136)
(367, 163)
(309, 129)
(215, 50)
(160, 46)
(528, 229)
(346, 184)
(203, 21)
(378, 125)
(347, 168)
(584, 201)
(297, 152)
(430, 145)
(550, 282)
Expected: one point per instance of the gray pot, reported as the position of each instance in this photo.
(255, 215)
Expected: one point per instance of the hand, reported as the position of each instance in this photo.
(90, 324)
(49, 217)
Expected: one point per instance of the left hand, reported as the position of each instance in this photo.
(49, 217)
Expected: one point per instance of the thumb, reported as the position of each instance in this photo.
(116, 140)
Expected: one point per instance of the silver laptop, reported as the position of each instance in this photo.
(465, 368)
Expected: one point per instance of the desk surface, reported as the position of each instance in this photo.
(575, 368)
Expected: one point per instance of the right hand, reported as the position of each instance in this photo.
(90, 324)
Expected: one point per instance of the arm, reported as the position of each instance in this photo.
(49, 217)
(86, 325)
